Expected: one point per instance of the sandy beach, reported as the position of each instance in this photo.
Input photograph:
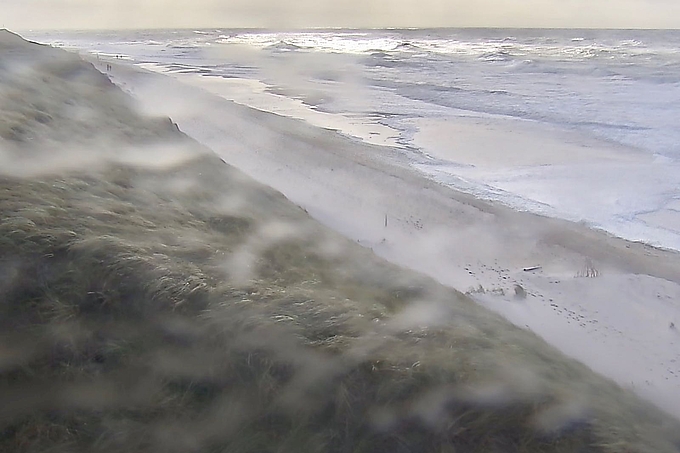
(620, 324)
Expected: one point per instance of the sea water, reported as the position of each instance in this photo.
(614, 89)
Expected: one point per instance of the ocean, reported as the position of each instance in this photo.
(577, 124)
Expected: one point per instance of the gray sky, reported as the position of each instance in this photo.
(85, 14)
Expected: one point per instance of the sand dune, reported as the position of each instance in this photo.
(154, 298)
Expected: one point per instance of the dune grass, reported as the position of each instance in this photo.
(186, 308)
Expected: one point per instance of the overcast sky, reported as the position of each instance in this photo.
(87, 14)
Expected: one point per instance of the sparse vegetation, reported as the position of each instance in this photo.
(520, 292)
(588, 270)
(479, 289)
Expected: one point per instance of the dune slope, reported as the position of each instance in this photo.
(154, 299)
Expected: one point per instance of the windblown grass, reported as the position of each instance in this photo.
(189, 309)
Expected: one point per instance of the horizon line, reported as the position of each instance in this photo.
(387, 28)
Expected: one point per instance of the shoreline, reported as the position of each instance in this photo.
(396, 164)
(536, 170)
(459, 240)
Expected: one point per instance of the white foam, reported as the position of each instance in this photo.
(257, 94)
(558, 173)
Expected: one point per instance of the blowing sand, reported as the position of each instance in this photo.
(155, 299)
(620, 324)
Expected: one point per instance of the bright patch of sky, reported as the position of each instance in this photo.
(115, 14)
